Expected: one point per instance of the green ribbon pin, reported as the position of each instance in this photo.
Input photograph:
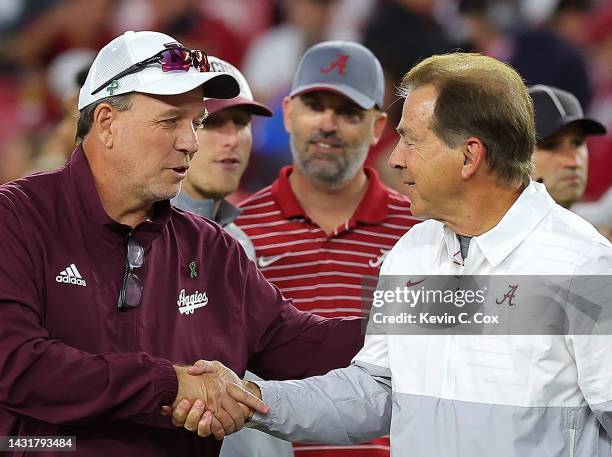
(193, 270)
(112, 87)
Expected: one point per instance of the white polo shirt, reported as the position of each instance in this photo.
(504, 394)
(471, 395)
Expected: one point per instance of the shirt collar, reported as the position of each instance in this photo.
(78, 174)
(372, 209)
(520, 220)
(227, 213)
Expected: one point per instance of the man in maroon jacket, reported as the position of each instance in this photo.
(105, 289)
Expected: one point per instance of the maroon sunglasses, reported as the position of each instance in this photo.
(131, 288)
(174, 58)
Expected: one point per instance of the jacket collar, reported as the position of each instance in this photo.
(80, 178)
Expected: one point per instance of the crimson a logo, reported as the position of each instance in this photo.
(508, 296)
(339, 64)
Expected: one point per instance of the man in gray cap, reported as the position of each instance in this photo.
(561, 154)
(106, 290)
(328, 219)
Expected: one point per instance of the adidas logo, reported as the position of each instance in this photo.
(71, 275)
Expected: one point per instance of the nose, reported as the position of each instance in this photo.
(397, 158)
(328, 120)
(230, 135)
(574, 157)
(187, 140)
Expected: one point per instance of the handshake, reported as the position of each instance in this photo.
(213, 400)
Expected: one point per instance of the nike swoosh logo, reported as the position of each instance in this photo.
(263, 262)
(410, 283)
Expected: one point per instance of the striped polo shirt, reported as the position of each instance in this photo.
(324, 273)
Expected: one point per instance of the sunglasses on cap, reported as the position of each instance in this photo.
(174, 58)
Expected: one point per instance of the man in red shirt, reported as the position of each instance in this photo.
(327, 222)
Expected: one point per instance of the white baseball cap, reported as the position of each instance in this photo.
(134, 47)
(244, 98)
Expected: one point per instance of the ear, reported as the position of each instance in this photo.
(379, 127)
(473, 154)
(287, 108)
(103, 118)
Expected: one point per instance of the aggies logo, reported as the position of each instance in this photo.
(188, 303)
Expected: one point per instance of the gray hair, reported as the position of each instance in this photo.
(120, 102)
(483, 97)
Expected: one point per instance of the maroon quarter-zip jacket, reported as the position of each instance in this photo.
(72, 364)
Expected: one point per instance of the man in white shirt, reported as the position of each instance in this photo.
(465, 154)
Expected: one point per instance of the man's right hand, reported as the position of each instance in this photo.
(212, 399)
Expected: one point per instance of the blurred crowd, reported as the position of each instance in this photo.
(47, 46)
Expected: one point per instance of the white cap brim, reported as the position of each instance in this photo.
(214, 84)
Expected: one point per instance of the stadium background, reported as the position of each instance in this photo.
(45, 43)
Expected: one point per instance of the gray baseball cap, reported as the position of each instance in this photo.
(344, 67)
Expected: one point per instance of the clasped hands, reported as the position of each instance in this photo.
(213, 400)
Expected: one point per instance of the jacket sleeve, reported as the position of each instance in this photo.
(298, 344)
(592, 288)
(346, 406)
(283, 342)
(45, 379)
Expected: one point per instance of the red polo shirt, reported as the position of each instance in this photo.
(323, 273)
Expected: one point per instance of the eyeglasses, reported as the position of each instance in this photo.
(131, 290)
(174, 58)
